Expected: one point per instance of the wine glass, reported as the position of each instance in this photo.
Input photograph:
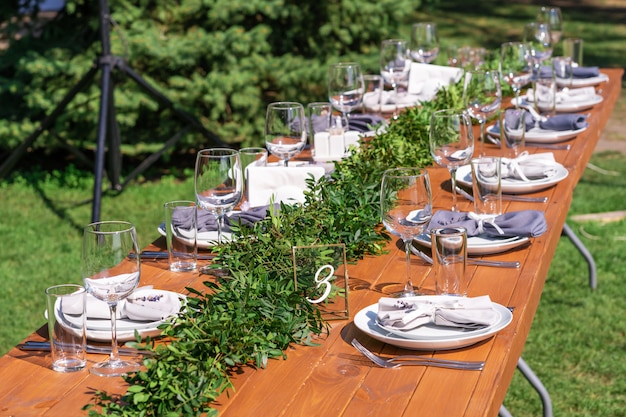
(482, 96)
(552, 16)
(514, 66)
(395, 65)
(285, 130)
(451, 142)
(406, 209)
(218, 183)
(111, 270)
(539, 39)
(424, 42)
(345, 88)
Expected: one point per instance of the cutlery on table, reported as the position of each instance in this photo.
(506, 197)
(402, 360)
(470, 261)
(164, 255)
(553, 146)
(45, 347)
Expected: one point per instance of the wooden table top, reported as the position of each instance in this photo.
(333, 379)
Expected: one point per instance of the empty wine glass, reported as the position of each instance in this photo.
(111, 271)
(285, 130)
(515, 67)
(406, 209)
(424, 42)
(552, 16)
(482, 96)
(345, 88)
(451, 142)
(539, 39)
(218, 183)
(395, 65)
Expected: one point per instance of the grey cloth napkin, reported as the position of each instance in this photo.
(461, 312)
(525, 223)
(585, 72)
(364, 122)
(559, 122)
(207, 221)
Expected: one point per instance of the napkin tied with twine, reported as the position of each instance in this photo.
(461, 312)
(208, 223)
(525, 223)
(528, 167)
(559, 122)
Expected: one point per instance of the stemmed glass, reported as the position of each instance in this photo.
(285, 130)
(111, 270)
(218, 183)
(482, 96)
(552, 16)
(395, 65)
(515, 67)
(539, 39)
(451, 142)
(406, 209)
(345, 88)
(424, 42)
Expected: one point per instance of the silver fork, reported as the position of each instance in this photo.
(398, 361)
(470, 261)
(507, 197)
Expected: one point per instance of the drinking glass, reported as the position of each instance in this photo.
(395, 65)
(406, 209)
(451, 142)
(218, 183)
(515, 68)
(539, 39)
(552, 16)
(424, 45)
(111, 270)
(285, 130)
(482, 96)
(345, 88)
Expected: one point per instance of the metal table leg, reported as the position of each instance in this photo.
(567, 231)
(535, 382)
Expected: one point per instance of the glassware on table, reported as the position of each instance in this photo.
(285, 130)
(573, 48)
(111, 271)
(482, 96)
(424, 46)
(515, 67)
(406, 209)
(373, 87)
(539, 39)
(395, 66)
(512, 124)
(449, 247)
(218, 183)
(451, 142)
(552, 16)
(345, 88)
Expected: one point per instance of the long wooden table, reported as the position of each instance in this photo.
(333, 379)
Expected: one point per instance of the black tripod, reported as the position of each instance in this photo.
(107, 120)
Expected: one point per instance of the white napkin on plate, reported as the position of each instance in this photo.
(575, 95)
(426, 79)
(527, 167)
(286, 184)
(463, 312)
(144, 304)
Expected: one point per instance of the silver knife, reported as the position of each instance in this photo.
(45, 347)
(164, 255)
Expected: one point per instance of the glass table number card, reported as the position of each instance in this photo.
(321, 272)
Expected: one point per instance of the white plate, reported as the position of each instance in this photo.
(482, 245)
(539, 135)
(205, 239)
(512, 186)
(582, 82)
(430, 337)
(575, 106)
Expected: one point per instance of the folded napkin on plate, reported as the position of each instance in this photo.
(525, 223)
(144, 304)
(462, 312)
(364, 122)
(207, 221)
(285, 184)
(528, 167)
(559, 122)
(575, 95)
(585, 72)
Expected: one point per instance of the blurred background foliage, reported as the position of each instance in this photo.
(220, 60)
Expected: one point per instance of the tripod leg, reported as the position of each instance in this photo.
(101, 141)
(46, 123)
(115, 143)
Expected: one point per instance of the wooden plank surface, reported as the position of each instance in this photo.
(333, 379)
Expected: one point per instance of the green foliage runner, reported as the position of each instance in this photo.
(252, 312)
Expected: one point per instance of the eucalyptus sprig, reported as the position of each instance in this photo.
(252, 311)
